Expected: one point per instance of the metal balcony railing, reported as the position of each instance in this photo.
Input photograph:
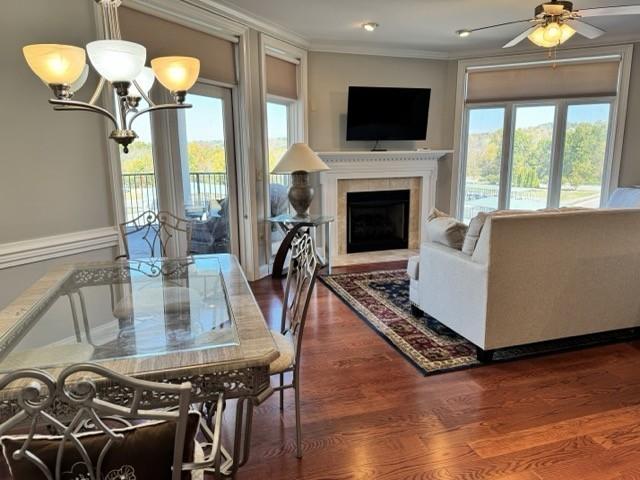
(140, 193)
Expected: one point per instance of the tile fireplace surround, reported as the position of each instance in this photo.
(416, 171)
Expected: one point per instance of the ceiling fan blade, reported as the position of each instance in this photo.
(603, 11)
(520, 37)
(586, 30)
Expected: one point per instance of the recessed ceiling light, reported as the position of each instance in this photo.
(370, 27)
(463, 33)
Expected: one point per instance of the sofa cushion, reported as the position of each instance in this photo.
(413, 267)
(446, 230)
(473, 233)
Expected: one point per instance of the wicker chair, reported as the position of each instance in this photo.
(301, 278)
(101, 425)
(158, 231)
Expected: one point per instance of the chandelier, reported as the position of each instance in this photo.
(119, 63)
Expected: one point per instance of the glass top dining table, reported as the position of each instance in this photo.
(125, 310)
(150, 318)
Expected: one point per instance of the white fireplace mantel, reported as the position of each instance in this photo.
(376, 165)
(385, 156)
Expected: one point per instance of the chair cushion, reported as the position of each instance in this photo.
(284, 343)
(413, 267)
(446, 230)
(146, 451)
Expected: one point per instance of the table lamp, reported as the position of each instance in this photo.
(299, 160)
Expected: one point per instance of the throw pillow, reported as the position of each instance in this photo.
(146, 451)
(473, 233)
(446, 230)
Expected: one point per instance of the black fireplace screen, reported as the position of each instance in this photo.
(377, 220)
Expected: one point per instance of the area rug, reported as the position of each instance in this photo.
(381, 298)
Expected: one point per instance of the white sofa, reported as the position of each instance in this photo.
(535, 277)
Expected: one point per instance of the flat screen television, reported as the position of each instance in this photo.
(384, 113)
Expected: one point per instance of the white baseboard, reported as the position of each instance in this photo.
(46, 248)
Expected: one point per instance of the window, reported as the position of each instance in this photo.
(528, 155)
(484, 159)
(278, 141)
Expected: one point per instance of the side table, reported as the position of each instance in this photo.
(291, 225)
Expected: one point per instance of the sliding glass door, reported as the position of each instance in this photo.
(207, 167)
(529, 156)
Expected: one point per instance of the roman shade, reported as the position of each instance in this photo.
(282, 77)
(163, 38)
(564, 80)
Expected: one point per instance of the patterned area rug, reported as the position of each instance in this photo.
(382, 299)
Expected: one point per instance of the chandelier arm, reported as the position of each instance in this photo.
(168, 106)
(72, 105)
(144, 95)
(96, 94)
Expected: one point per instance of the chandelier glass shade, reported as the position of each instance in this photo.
(176, 74)
(551, 35)
(121, 65)
(144, 80)
(117, 60)
(55, 64)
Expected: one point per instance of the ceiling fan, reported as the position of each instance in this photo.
(556, 21)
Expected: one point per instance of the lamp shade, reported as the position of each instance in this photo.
(146, 80)
(300, 158)
(176, 74)
(55, 64)
(117, 60)
(79, 83)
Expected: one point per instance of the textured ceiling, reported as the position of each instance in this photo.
(419, 24)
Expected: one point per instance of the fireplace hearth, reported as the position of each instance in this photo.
(377, 220)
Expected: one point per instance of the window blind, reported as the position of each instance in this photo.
(163, 38)
(282, 78)
(564, 80)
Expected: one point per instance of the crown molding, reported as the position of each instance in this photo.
(250, 20)
(343, 47)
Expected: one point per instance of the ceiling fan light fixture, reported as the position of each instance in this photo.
(463, 33)
(567, 32)
(370, 26)
(552, 32)
(542, 37)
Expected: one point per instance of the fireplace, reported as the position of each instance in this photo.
(377, 220)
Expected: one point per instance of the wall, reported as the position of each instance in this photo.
(330, 75)
(54, 164)
(54, 177)
(630, 162)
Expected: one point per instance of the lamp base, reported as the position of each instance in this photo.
(300, 193)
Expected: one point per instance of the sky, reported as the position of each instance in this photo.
(205, 120)
(491, 119)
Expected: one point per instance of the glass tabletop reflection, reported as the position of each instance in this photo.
(126, 309)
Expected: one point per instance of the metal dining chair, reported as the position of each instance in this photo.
(158, 231)
(100, 425)
(301, 278)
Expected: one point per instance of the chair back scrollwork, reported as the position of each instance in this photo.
(302, 274)
(79, 393)
(158, 230)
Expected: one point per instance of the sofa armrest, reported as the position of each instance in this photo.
(453, 290)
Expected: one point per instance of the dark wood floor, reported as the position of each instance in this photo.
(368, 414)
